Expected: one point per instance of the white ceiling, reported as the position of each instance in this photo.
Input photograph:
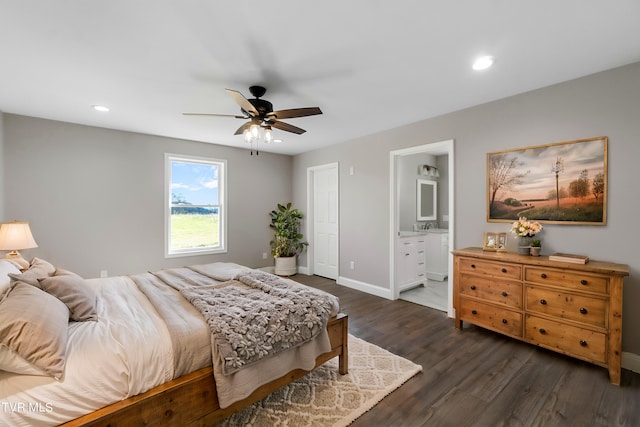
(370, 65)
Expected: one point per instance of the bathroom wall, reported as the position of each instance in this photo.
(407, 181)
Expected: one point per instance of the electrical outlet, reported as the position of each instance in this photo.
(352, 265)
(264, 255)
(445, 217)
(104, 273)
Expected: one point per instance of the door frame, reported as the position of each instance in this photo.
(436, 148)
(309, 228)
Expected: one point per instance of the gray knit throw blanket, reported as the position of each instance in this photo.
(258, 320)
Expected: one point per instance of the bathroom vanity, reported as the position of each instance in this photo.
(421, 255)
(410, 263)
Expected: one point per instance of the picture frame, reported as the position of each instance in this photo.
(557, 183)
(495, 242)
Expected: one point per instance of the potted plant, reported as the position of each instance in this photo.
(287, 243)
(536, 247)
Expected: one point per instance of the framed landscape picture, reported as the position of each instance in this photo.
(558, 183)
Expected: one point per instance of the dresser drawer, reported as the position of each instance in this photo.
(567, 279)
(571, 340)
(491, 317)
(565, 305)
(494, 290)
(488, 268)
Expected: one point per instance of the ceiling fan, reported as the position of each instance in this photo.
(261, 116)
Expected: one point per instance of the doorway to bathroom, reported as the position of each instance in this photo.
(421, 234)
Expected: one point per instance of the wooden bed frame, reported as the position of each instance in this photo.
(191, 400)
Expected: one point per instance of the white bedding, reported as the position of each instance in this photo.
(104, 361)
(130, 349)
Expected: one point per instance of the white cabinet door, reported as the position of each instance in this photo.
(437, 247)
(406, 261)
(411, 262)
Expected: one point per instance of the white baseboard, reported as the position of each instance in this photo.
(631, 361)
(303, 270)
(364, 287)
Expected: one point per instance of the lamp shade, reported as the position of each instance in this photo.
(16, 236)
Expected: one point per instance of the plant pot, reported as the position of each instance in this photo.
(535, 250)
(286, 266)
(524, 244)
(524, 250)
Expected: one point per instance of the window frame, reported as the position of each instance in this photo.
(169, 158)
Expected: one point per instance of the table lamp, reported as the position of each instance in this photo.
(15, 236)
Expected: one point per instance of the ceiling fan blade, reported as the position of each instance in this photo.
(294, 112)
(242, 128)
(243, 102)
(215, 115)
(286, 127)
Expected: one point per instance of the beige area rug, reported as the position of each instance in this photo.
(326, 398)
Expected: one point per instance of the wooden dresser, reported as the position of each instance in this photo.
(574, 309)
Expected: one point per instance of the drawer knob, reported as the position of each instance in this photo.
(473, 287)
(543, 331)
(504, 293)
(583, 310)
(473, 266)
(504, 270)
(583, 282)
(583, 343)
(543, 301)
(504, 321)
(474, 312)
(543, 275)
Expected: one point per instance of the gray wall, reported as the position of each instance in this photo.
(407, 180)
(604, 104)
(95, 197)
(2, 179)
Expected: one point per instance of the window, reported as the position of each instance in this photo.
(195, 220)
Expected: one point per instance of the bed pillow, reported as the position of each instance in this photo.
(38, 269)
(33, 324)
(72, 290)
(6, 268)
(63, 272)
(16, 363)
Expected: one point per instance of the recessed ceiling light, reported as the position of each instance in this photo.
(100, 108)
(483, 63)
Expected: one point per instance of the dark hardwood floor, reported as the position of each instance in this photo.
(475, 377)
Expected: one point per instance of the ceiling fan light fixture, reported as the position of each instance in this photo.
(255, 131)
(247, 135)
(261, 117)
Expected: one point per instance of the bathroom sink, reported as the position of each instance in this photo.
(411, 233)
(437, 230)
(419, 232)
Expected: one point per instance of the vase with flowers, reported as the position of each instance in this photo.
(525, 230)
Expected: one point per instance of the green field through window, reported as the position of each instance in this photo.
(194, 231)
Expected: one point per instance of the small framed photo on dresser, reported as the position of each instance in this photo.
(495, 242)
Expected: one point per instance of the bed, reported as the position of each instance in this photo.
(149, 349)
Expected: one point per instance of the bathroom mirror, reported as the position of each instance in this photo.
(427, 200)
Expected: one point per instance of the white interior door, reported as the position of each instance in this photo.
(325, 221)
